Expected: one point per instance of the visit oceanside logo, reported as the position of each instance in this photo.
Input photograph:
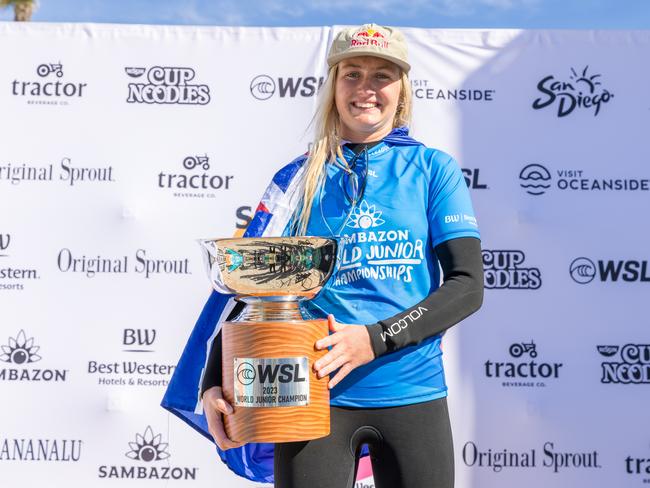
(429, 91)
(523, 368)
(49, 86)
(625, 365)
(19, 358)
(263, 87)
(166, 85)
(149, 457)
(537, 179)
(581, 91)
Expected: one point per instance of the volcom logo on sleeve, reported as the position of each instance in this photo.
(401, 324)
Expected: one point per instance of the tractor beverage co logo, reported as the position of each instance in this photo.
(263, 87)
(166, 85)
(149, 459)
(549, 457)
(522, 368)
(48, 86)
(625, 365)
(505, 269)
(429, 91)
(134, 367)
(67, 172)
(536, 179)
(583, 91)
(13, 277)
(141, 262)
(584, 270)
(639, 467)
(196, 180)
(20, 361)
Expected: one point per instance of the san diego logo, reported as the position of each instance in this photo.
(628, 364)
(147, 451)
(20, 353)
(166, 85)
(582, 91)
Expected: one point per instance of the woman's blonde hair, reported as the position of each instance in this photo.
(327, 142)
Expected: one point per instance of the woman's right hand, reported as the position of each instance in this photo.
(214, 406)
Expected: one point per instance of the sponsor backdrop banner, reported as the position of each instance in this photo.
(121, 145)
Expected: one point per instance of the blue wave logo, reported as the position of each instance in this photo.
(535, 179)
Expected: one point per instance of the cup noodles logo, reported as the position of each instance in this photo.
(369, 37)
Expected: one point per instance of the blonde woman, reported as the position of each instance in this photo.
(398, 210)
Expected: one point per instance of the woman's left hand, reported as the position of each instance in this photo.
(351, 348)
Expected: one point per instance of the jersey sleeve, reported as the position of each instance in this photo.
(449, 210)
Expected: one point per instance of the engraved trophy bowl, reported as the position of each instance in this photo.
(268, 348)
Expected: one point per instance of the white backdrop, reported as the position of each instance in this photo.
(103, 190)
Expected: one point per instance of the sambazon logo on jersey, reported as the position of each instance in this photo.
(166, 85)
(263, 87)
(628, 364)
(549, 457)
(20, 355)
(50, 450)
(522, 369)
(50, 88)
(584, 270)
(150, 455)
(428, 90)
(196, 181)
(583, 90)
(537, 179)
(504, 269)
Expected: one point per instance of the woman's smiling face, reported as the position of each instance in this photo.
(367, 94)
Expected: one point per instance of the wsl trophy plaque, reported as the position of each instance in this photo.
(268, 349)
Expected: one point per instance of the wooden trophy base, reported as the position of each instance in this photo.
(276, 340)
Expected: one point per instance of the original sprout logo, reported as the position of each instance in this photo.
(20, 350)
(262, 87)
(582, 270)
(365, 216)
(50, 88)
(582, 91)
(535, 179)
(166, 85)
(246, 373)
(148, 447)
(628, 364)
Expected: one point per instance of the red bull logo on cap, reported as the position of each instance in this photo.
(369, 37)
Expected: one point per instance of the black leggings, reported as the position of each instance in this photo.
(410, 447)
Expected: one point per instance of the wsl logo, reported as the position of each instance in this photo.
(583, 270)
(49, 88)
(20, 353)
(246, 373)
(629, 364)
(535, 179)
(520, 371)
(195, 181)
(263, 87)
(504, 269)
(166, 85)
(583, 91)
(147, 450)
(472, 179)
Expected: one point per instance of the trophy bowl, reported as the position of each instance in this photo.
(268, 348)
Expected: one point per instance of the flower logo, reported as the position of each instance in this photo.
(365, 216)
(20, 350)
(148, 447)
